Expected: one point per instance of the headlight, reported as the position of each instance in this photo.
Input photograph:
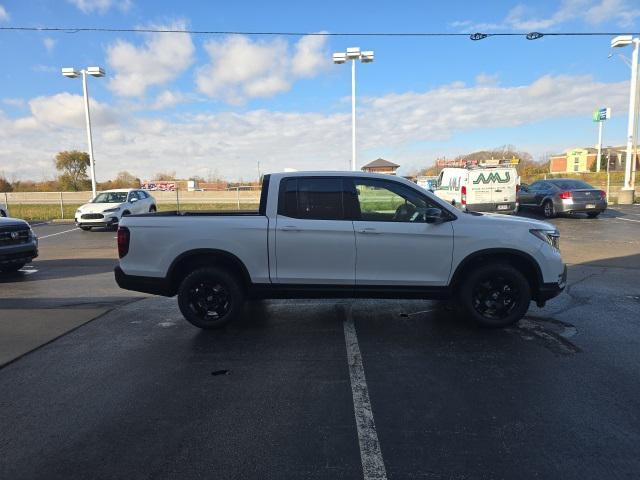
(552, 237)
(111, 210)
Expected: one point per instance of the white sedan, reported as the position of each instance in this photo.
(108, 207)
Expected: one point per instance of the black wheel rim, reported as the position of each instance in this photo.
(495, 297)
(211, 301)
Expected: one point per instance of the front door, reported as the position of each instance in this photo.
(395, 246)
(315, 242)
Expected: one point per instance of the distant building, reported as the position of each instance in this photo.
(581, 160)
(381, 166)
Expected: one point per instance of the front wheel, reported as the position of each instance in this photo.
(495, 295)
(86, 229)
(210, 297)
(593, 214)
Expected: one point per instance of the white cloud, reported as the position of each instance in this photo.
(64, 110)
(241, 68)
(398, 125)
(101, 6)
(593, 12)
(4, 15)
(13, 102)
(161, 59)
(168, 99)
(49, 44)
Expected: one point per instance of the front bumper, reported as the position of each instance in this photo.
(548, 291)
(103, 222)
(18, 254)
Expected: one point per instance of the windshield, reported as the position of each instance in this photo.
(571, 184)
(110, 197)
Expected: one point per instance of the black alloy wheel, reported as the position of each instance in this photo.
(494, 295)
(210, 297)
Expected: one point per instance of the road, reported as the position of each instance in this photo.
(340, 389)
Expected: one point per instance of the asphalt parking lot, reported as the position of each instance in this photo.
(320, 388)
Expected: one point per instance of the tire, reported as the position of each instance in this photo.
(3, 213)
(593, 214)
(153, 209)
(86, 229)
(125, 213)
(483, 295)
(204, 310)
(548, 210)
(12, 268)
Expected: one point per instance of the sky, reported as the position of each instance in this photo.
(233, 105)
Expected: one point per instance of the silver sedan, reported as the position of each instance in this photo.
(563, 195)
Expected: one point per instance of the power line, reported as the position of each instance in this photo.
(472, 36)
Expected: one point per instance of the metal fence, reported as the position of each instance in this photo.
(51, 205)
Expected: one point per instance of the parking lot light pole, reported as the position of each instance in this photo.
(353, 54)
(627, 192)
(94, 72)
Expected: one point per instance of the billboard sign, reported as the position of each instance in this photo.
(601, 114)
(159, 185)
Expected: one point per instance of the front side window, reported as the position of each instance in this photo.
(383, 201)
(312, 198)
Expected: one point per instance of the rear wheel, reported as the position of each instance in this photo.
(152, 209)
(495, 295)
(548, 209)
(210, 297)
(593, 214)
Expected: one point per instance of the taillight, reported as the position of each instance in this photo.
(123, 241)
(603, 195)
(463, 196)
(565, 195)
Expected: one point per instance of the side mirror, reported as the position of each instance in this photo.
(133, 200)
(433, 215)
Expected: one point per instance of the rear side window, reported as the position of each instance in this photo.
(141, 195)
(312, 198)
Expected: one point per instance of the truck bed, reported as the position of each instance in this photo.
(200, 213)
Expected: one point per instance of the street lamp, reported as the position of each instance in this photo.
(339, 58)
(94, 72)
(627, 193)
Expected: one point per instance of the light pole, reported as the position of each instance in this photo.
(353, 54)
(628, 190)
(94, 72)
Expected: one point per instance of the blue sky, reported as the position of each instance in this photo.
(203, 104)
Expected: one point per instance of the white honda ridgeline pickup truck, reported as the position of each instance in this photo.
(341, 234)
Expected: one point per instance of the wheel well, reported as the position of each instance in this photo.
(520, 261)
(189, 261)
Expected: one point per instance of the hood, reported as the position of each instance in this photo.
(12, 222)
(513, 221)
(98, 207)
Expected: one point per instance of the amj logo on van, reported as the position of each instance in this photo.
(491, 178)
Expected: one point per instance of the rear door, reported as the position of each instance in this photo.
(480, 187)
(504, 186)
(315, 242)
(394, 244)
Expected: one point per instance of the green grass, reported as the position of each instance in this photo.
(33, 212)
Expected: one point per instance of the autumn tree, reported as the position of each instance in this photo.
(165, 176)
(5, 186)
(72, 166)
(126, 180)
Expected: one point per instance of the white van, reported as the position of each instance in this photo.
(481, 188)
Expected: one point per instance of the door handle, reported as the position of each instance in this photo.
(369, 230)
(290, 228)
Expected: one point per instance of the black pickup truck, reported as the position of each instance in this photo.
(18, 244)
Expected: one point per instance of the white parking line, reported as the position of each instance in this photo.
(59, 233)
(370, 454)
(38, 224)
(628, 219)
